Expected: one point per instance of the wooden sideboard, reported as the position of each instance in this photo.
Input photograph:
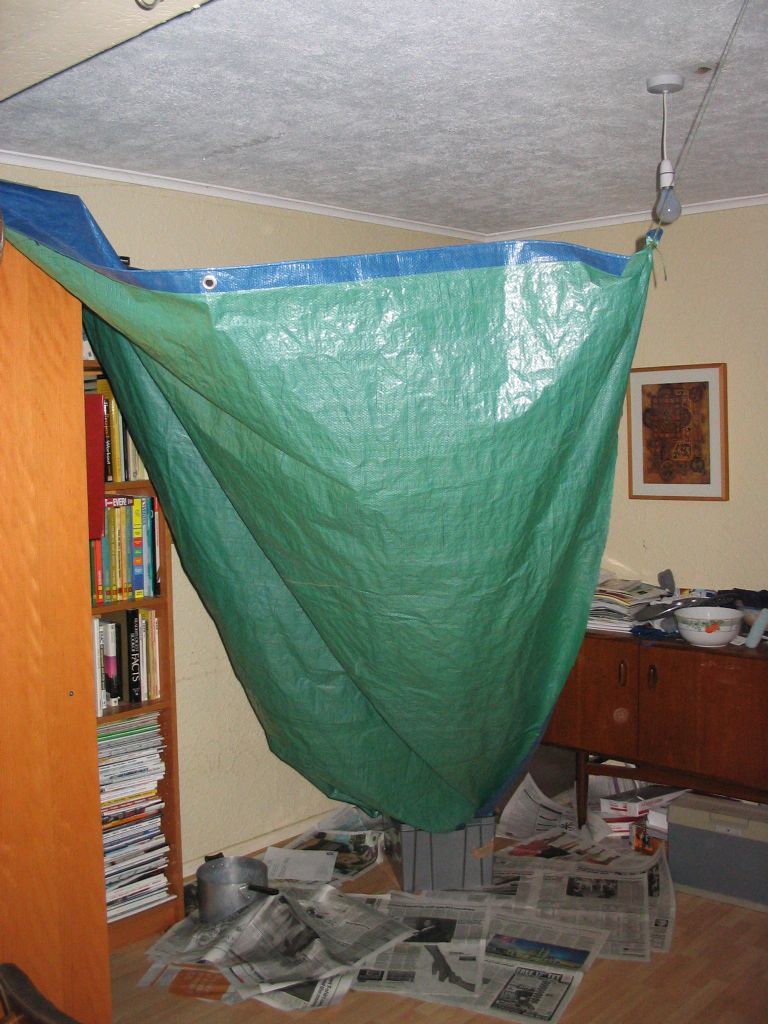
(686, 716)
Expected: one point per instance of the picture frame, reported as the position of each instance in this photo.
(677, 432)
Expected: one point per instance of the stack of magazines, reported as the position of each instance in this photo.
(616, 603)
(135, 850)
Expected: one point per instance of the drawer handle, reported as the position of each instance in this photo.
(622, 678)
(653, 677)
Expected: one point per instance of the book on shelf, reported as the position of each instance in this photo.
(137, 549)
(119, 519)
(135, 848)
(94, 462)
(126, 658)
(149, 541)
(154, 661)
(112, 442)
(110, 642)
(119, 456)
(98, 667)
(134, 656)
(124, 561)
(133, 814)
(129, 654)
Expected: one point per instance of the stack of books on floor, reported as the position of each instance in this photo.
(617, 601)
(135, 850)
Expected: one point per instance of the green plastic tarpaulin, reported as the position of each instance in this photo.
(388, 476)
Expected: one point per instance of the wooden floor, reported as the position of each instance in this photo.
(716, 973)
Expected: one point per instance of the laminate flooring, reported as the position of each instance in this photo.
(715, 973)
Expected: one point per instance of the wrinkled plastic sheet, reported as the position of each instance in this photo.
(388, 476)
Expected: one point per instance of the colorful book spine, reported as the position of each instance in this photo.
(143, 648)
(112, 685)
(134, 655)
(97, 572)
(156, 579)
(98, 667)
(126, 520)
(106, 563)
(151, 588)
(111, 450)
(94, 461)
(154, 674)
(118, 531)
(146, 540)
(137, 548)
(109, 473)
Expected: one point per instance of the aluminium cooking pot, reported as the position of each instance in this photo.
(227, 884)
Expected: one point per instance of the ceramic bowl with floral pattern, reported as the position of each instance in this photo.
(707, 626)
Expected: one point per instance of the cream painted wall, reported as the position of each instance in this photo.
(236, 796)
(712, 308)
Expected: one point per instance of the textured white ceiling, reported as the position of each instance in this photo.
(42, 37)
(485, 117)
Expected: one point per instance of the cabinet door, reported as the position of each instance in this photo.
(597, 710)
(52, 905)
(705, 712)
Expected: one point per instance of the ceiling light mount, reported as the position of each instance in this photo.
(667, 208)
(664, 81)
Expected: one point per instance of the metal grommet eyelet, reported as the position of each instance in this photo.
(209, 282)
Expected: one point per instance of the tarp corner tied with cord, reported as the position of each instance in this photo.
(388, 477)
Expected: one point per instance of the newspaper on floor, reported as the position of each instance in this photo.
(529, 813)
(208, 983)
(309, 995)
(630, 893)
(636, 908)
(442, 958)
(294, 937)
(533, 967)
(554, 897)
(527, 968)
(661, 906)
(512, 867)
(615, 902)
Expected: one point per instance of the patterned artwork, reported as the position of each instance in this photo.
(676, 433)
(678, 440)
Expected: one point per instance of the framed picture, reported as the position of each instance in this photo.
(678, 444)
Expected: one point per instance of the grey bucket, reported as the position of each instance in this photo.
(223, 886)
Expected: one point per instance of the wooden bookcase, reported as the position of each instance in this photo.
(161, 917)
(51, 862)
